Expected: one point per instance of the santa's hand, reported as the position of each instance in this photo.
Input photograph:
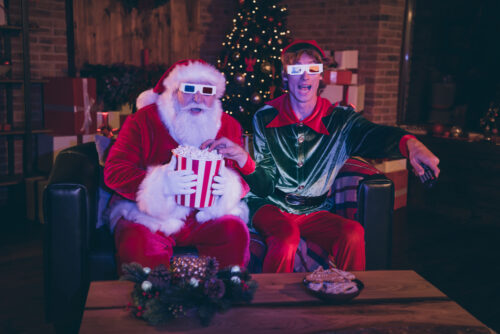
(178, 182)
(228, 149)
(219, 183)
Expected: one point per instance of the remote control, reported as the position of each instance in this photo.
(428, 178)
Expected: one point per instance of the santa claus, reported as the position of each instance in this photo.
(183, 109)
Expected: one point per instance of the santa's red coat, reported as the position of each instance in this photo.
(144, 141)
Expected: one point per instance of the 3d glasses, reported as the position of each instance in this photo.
(190, 88)
(301, 68)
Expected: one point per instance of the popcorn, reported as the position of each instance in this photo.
(195, 153)
(206, 165)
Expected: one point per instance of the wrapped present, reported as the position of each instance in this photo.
(68, 106)
(346, 94)
(49, 147)
(337, 77)
(113, 119)
(346, 59)
(206, 165)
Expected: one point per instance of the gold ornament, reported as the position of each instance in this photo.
(266, 67)
(256, 98)
(239, 79)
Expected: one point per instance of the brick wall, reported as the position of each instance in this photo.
(375, 28)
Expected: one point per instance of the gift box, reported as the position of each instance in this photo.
(206, 170)
(348, 94)
(114, 119)
(68, 106)
(32, 196)
(337, 77)
(346, 59)
(49, 147)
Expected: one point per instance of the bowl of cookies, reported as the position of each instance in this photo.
(333, 285)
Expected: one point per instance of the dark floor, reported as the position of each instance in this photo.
(462, 260)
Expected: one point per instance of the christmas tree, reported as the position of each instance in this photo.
(251, 58)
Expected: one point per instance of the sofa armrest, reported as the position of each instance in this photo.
(70, 203)
(375, 211)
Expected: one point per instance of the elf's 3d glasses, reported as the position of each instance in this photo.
(298, 69)
(190, 88)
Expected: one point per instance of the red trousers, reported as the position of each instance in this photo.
(225, 238)
(341, 237)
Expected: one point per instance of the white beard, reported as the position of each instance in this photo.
(188, 129)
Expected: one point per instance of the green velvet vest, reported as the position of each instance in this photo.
(296, 159)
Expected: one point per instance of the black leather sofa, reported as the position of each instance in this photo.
(76, 253)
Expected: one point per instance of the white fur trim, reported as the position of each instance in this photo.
(154, 208)
(229, 203)
(146, 98)
(195, 72)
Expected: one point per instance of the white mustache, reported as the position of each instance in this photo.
(195, 105)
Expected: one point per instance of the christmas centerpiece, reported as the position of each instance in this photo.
(190, 286)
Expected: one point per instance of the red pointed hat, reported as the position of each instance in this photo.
(300, 44)
(191, 70)
(187, 70)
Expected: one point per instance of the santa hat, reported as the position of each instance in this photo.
(188, 70)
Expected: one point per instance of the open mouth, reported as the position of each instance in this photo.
(196, 110)
(305, 88)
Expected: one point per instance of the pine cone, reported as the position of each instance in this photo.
(160, 277)
(212, 267)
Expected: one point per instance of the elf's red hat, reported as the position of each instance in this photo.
(300, 44)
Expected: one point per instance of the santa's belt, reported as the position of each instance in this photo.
(293, 199)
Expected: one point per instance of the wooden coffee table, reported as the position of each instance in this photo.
(391, 302)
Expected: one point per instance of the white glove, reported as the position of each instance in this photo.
(178, 182)
(219, 184)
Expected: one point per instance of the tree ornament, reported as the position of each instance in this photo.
(265, 67)
(256, 39)
(250, 62)
(256, 98)
(239, 79)
(241, 109)
(270, 19)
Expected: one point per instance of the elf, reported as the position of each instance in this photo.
(301, 141)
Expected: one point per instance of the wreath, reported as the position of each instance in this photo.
(189, 286)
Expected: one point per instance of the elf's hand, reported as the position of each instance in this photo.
(419, 154)
(178, 182)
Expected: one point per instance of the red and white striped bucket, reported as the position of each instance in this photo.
(206, 170)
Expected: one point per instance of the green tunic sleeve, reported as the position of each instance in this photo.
(370, 140)
(262, 181)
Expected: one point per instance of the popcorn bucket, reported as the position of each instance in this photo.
(206, 170)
